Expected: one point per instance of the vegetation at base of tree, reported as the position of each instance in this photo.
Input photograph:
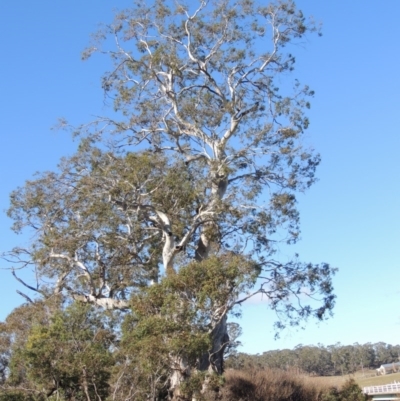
(69, 354)
(256, 385)
(171, 212)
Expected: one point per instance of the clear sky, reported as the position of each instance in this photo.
(350, 218)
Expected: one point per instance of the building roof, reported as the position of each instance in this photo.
(390, 365)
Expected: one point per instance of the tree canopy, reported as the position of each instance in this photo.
(176, 202)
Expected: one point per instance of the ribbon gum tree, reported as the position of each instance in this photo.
(198, 165)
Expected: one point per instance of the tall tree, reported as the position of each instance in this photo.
(202, 157)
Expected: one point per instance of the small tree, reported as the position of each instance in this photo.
(202, 158)
(350, 391)
(69, 356)
(14, 332)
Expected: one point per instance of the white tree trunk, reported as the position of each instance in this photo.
(180, 372)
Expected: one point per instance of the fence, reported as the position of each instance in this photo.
(393, 388)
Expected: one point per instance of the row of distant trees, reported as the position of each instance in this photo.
(334, 359)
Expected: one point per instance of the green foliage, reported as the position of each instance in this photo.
(96, 209)
(14, 332)
(200, 163)
(350, 391)
(319, 360)
(202, 386)
(174, 320)
(69, 356)
(204, 154)
(15, 395)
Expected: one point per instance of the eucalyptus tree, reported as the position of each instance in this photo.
(202, 156)
(365, 355)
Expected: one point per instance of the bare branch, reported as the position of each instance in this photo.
(25, 296)
(24, 284)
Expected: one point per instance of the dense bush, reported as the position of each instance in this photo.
(350, 391)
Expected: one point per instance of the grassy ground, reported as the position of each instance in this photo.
(277, 385)
(365, 379)
(271, 385)
(378, 380)
(328, 381)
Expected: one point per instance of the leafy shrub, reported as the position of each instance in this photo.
(350, 391)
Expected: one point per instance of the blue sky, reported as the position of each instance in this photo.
(350, 218)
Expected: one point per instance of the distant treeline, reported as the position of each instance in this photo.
(335, 359)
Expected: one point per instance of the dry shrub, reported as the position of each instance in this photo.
(269, 385)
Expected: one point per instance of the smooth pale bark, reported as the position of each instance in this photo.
(180, 372)
(105, 303)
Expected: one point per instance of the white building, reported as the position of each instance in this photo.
(388, 368)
